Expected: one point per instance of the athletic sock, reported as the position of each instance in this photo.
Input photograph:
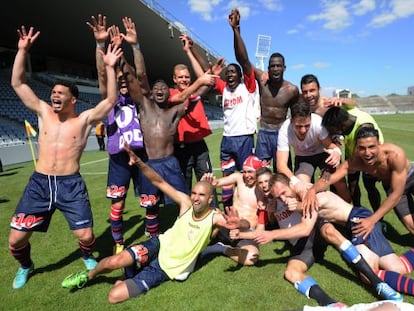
(227, 196)
(116, 224)
(311, 289)
(353, 256)
(408, 260)
(397, 281)
(214, 249)
(87, 249)
(152, 221)
(22, 255)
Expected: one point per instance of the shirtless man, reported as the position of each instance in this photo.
(56, 182)
(123, 125)
(310, 92)
(375, 248)
(159, 121)
(346, 123)
(305, 235)
(276, 94)
(389, 164)
(245, 252)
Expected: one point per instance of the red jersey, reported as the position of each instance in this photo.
(194, 125)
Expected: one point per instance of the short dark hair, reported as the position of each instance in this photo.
(238, 69)
(300, 109)
(309, 78)
(263, 170)
(73, 89)
(334, 117)
(159, 81)
(278, 177)
(277, 54)
(365, 131)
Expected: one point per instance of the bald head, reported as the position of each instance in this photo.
(206, 185)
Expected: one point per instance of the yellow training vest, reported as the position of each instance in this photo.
(181, 244)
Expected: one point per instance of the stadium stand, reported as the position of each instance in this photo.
(386, 105)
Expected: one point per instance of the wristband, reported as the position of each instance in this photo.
(136, 46)
(336, 149)
(100, 45)
(294, 180)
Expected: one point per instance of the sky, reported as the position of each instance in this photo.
(366, 46)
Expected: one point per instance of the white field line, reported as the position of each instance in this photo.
(104, 173)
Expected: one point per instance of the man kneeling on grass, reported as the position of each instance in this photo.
(169, 256)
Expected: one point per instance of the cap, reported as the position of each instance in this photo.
(253, 162)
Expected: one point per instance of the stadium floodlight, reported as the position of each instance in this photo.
(262, 50)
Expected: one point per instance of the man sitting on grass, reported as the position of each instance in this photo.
(169, 256)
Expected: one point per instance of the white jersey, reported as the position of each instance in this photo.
(239, 107)
(311, 145)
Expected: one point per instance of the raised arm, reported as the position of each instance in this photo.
(191, 52)
(114, 53)
(204, 80)
(100, 32)
(18, 78)
(239, 46)
(141, 71)
(136, 87)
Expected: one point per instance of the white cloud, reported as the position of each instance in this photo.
(292, 31)
(273, 5)
(297, 66)
(204, 8)
(363, 7)
(396, 9)
(335, 15)
(211, 9)
(320, 65)
(181, 26)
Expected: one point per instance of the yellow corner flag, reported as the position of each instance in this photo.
(30, 133)
(29, 129)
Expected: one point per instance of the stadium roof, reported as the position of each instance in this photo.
(65, 35)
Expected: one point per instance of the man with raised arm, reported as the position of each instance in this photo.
(190, 146)
(276, 94)
(56, 182)
(123, 125)
(159, 120)
(171, 255)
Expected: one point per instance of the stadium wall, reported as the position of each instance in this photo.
(21, 153)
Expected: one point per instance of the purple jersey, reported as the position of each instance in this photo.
(123, 126)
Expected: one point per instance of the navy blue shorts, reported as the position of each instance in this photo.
(120, 174)
(44, 194)
(376, 240)
(234, 150)
(169, 169)
(266, 145)
(150, 273)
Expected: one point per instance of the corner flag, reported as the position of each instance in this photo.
(30, 133)
(29, 129)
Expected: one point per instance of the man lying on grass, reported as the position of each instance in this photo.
(169, 256)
